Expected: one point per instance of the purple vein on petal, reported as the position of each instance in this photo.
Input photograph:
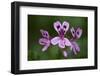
(43, 41)
(55, 40)
(61, 43)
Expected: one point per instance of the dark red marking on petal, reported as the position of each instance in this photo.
(65, 26)
(58, 26)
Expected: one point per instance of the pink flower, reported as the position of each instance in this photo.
(61, 30)
(45, 41)
(76, 35)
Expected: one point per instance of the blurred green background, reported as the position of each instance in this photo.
(37, 22)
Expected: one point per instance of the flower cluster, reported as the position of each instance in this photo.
(61, 40)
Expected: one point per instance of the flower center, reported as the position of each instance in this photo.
(61, 33)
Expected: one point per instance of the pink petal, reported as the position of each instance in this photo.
(55, 40)
(65, 53)
(72, 31)
(44, 33)
(57, 26)
(78, 32)
(67, 42)
(43, 41)
(65, 26)
(76, 46)
(74, 50)
(45, 48)
(61, 43)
